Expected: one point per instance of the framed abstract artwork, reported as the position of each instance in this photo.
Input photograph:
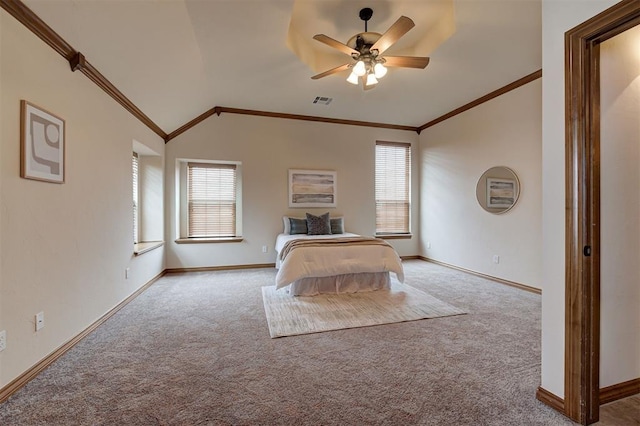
(501, 193)
(312, 188)
(42, 144)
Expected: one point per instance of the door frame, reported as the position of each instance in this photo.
(582, 277)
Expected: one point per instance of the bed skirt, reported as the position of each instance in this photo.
(347, 283)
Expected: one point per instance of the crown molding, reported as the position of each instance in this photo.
(501, 91)
(79, 63)
(199, 119)
(221, 109)
(76, 60)
(29, 19)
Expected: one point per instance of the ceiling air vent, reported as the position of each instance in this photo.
(322, 100)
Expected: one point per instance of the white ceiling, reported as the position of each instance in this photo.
(175, 59)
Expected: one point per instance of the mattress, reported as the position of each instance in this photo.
(334, 260)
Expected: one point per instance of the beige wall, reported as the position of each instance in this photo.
(74, 271)
(267, 148)
(505, 131)
(558, 16)
(620, 209)
(64, 247)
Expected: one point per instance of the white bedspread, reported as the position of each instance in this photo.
(305, 262)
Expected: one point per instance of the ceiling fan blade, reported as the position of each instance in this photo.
(406, 61)
(331, 71)
(393, 34)
(335, 44)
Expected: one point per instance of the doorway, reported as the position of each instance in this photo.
(583, 250)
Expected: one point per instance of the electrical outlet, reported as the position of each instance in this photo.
(428, 244)
(496, 258)
(3, 340)
(127, 272)
(39, 321)
(265, 249)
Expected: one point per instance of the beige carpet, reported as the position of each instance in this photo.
(289, 315)
(194, 349)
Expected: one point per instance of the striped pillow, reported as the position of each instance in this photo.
(337, 225)
(297, 226)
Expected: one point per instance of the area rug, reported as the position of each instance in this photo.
(290, 315)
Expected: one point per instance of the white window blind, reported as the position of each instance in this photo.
(393, 178)
(211, 200)
(135, 198)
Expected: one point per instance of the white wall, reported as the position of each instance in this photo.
(620, 209)
(64, 247)
(267, 148)
(558, 16)
(505, 131)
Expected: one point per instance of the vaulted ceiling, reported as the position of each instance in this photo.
(176, 59)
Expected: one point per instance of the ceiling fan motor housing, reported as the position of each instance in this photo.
(367, 40)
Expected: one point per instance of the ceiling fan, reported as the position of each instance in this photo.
(367, 48)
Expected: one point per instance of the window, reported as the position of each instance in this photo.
(147, 173)
(136, 198)
(211, 200)
(393, 193)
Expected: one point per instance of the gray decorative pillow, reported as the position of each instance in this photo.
(297, 226)
(337, 225)
(318, 225)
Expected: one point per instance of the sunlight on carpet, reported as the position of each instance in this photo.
(290, 315)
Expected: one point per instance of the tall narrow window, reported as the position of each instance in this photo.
(211, 200)
(393, 178)
(136, 198)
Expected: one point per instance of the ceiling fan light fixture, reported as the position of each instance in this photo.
(360, 69)
(371, 80)
(366, 50)
(353, 78)
(379, 70)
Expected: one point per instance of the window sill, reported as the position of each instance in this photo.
(144, 247)
(394, 236)
(209, 240)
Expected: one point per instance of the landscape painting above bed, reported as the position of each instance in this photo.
(312, 188)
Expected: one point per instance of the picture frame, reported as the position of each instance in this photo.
(312, 188)
(501, 193)
(42, 144)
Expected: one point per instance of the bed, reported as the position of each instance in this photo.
(337, 262)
